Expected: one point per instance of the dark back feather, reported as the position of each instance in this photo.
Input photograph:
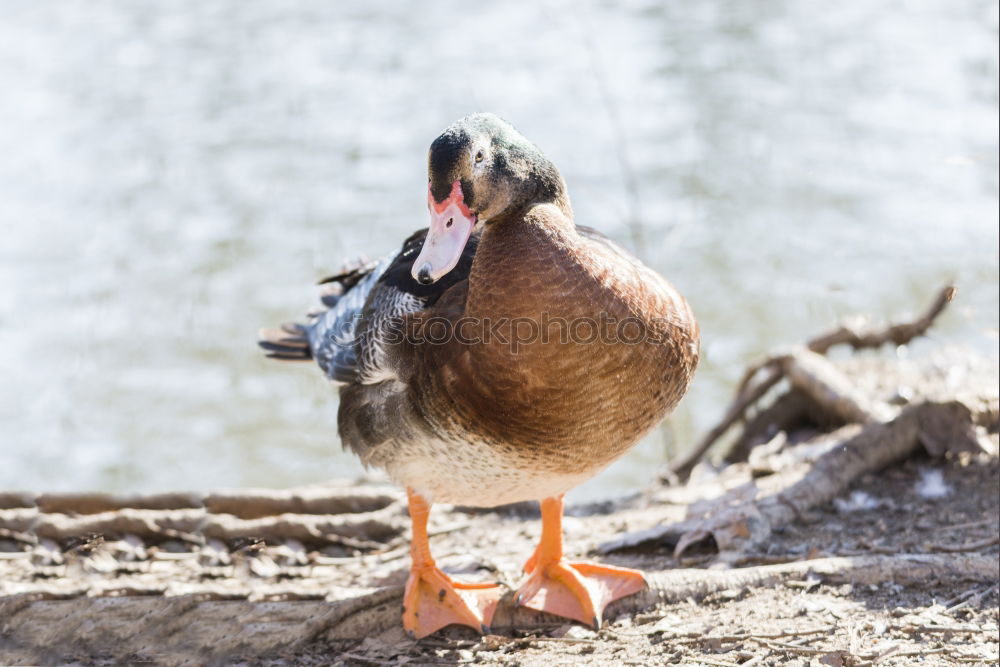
(346, 340)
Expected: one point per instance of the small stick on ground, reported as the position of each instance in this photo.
(788, 648)
(971, 546)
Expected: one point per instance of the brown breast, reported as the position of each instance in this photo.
(568, 350)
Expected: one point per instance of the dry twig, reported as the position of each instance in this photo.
(971, 546)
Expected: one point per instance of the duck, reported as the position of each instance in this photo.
(503, 354)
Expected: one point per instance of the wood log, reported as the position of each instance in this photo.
(196, 525)
(257, 503)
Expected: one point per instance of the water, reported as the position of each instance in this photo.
(175, 175)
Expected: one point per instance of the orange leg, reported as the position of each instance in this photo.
(432, 599)
(579, 591)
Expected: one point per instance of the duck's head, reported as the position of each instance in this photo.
(480, 171)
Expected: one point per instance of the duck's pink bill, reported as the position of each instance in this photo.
(451, 225)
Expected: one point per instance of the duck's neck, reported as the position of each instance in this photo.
(560, 200)
(520, 267)
(532, 181)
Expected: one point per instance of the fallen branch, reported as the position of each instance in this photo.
(244, 503)
(128, 521)
(813, 377)
(897, 334)
(257, 503)
(95, 503)
(744, 518)
(369, 515)
(380, 525)
(811, 374)
(820, 380)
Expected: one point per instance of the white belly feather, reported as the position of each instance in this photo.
(475, 474)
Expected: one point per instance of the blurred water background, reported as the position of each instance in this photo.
(175, 175)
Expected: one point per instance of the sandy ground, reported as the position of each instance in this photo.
(806, 624)
(921, 506)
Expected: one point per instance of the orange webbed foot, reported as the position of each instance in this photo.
(434, 600)
(579, 591)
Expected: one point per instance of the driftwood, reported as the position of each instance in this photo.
(256, 503)
(897, 334)
(93, 503)
(807, 372)
(356, 513)
(244, 503)
(785, 477)
(376, 525)
(810, 474)
(191, 628)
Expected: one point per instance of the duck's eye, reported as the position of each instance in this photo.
(479, 156)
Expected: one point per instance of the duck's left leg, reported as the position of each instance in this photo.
(579, 591)
(433, 599)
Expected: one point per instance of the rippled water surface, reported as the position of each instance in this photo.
(175, 175)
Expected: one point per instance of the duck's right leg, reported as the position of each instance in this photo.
(434, 600)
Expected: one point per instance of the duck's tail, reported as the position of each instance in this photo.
(329, 335)
(289, 342)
